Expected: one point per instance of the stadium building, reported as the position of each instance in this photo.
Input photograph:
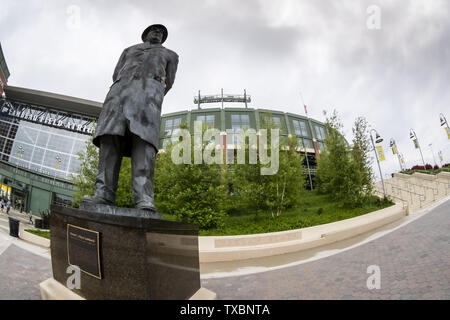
(41, 134)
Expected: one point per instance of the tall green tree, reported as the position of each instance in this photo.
(363, 162)
(336, 168)
(253, 191)
(192, 192)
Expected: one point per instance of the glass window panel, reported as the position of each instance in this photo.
(59, 143)
(172, 124)
(300, 128)
(22, 151)
(13, 131)
(324, 133)
(4, 128)
(320, 132)
(303, 129)
(62, 200)
(79, 146)
(42, 139)
(2, 144)
(8, 146)
(308, 143)
(38, 155)
(50, 159)
(27, 135)
(74, 164)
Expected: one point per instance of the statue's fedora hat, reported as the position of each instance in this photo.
(155, 26)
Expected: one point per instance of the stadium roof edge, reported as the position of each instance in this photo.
(53, 100)
(3, 64)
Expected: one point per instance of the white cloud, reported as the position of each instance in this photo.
(397, 77)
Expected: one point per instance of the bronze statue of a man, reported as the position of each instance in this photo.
(129, 123)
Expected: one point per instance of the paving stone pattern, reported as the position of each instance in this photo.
(414, 262)
(20, 274)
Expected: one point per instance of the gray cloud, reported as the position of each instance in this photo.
(397, 77)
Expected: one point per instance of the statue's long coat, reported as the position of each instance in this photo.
(135, 98)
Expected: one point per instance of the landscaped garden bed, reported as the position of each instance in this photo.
(40, 233)
(316, 210)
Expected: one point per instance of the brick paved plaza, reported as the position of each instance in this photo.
(414, 262)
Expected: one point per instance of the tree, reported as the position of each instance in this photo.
(84, 180)
(336, 168)
(274, 193)
(194, 193)
(360, 152)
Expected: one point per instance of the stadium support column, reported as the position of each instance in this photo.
(316, 149)
(315, 144)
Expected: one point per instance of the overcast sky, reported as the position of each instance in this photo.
(388, 61)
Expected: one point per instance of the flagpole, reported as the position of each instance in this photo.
(303, 142)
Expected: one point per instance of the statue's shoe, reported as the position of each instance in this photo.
(96, 200)
(146, 205)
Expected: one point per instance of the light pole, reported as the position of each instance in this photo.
(431, 147)
(402, 160)
(378, 140)
(19, 155)
(57, 163)
(307, 163)
(444, 122)
(394, 145)
(413, 136)
(441, 157)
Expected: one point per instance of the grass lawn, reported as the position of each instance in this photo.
(40, 233)
(316, 210)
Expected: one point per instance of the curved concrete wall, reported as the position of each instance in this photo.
(215, 249)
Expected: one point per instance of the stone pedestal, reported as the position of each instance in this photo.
(141, 256)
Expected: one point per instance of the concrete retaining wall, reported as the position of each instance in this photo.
(215, 249)
(40, 241)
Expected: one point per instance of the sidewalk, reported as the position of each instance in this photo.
(22, 217)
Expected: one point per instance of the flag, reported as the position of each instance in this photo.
(446, 129)
(306, 109)
(381, 153)
(394, 149)
(416, 143)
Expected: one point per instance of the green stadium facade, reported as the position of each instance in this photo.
(41, 134)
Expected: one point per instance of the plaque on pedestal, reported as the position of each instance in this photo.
(125, 254)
